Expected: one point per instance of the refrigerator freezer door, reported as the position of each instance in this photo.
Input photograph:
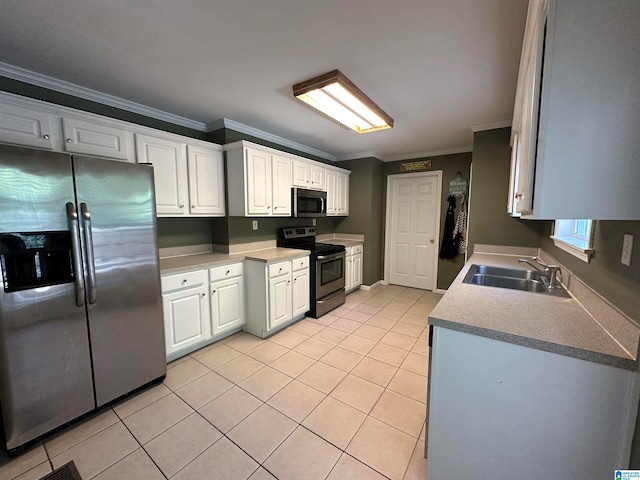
(45, 368)
(117, 215)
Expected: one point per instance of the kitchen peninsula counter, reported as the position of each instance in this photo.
(535, 320)
(184, 263)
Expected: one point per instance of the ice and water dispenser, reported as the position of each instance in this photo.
(32, 260)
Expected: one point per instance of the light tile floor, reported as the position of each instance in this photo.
(340, 397)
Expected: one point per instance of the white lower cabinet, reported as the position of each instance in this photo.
(509, 408)
(353, 268)
(279, 294)
(227, 298)
(201, 306)
(185, 304)
(300, 290)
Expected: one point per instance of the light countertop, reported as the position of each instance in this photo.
(184, 263)
(341, 241)
(536, 320)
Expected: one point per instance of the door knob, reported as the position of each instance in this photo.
(431, 240)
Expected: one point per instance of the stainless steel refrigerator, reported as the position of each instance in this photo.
(80, 304)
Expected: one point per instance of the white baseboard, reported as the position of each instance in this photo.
(371, 287)
(440, 291)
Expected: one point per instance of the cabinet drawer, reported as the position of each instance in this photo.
(300, 263)
(348, 251)
(183, 280)
(281, 268)
(225, 271)
(356, 249)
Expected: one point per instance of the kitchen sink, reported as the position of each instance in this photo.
(512, 278)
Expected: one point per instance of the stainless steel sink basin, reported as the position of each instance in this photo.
(512, 278)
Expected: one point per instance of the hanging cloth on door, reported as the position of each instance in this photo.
(460, 230)
(448, 248)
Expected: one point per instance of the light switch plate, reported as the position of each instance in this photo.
(627, 249)
(254, 224)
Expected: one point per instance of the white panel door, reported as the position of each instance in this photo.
(300, 292)
(258, 186)
(206, 181)
(90, 138)
(169, 170)
(317, 176)
(413, 230)
(279, 300)
(332, 194)
(227, 304)
(23, 126)
(342, 194)
(186, 318)
(281, 184)
(356, 270)
(301, 174)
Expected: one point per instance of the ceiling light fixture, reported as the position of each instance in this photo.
(337, 97)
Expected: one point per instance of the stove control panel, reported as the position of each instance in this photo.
(298, 232)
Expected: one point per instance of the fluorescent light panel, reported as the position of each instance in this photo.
(337, 97)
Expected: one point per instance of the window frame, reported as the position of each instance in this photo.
(566, 236)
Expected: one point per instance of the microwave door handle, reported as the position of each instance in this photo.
(72, 221)
(322, 206)
(88, 245)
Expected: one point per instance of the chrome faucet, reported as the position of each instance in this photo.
(548, 273)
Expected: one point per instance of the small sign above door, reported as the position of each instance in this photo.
(413, 166)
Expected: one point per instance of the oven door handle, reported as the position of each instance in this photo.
(333, 255)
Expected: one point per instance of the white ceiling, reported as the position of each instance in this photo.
(436, 66)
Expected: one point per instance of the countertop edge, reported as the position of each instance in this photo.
(580, 354)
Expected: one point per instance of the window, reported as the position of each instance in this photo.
(575, 237)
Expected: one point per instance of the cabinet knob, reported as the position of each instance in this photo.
(193, 206)
(275, 208)
(69, 140)
(227, 272)
(184, 281)
(212, 292)
(46, 136)
(268, 207)
(203, 295)
(519, 195)
(181, 205)
(280, 270)
(288, 282)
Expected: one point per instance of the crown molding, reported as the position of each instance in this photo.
(33, 78)
(360, 155)
(431, 153)
(479, 127)
(269, 137)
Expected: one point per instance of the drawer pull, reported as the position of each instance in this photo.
(227, 272)
(185, 280)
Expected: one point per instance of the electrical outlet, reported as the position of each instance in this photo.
(627, 248)
(314, 222)
(255, 224)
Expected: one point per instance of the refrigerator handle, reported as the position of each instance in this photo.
(72, 220)
(88, 243)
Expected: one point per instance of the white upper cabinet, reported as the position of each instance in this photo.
(307, 174)
(206, 181)
(259, 181)
(25, 126)
(170, 172)
(189, 178)
(281, 185)
(337, 187)
(584, 161)
(96, 138)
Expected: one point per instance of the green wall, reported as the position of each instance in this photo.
(179, 232)
(489, 222)
(366, 184)
(450, 165)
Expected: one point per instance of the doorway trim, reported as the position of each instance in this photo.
(387, 224)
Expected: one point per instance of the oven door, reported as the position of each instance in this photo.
(329, 273)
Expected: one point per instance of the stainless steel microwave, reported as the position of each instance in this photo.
(308, 203)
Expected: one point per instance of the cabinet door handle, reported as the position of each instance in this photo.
(268, 207)
(46, 136)
(288, 282)
(69, 140)
(212, 292)
(203, 295)
(275, 208)
(184, 281)
(193, 206)
(181, 205)
(227, 272)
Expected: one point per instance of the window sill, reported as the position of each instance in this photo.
(574, 247)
